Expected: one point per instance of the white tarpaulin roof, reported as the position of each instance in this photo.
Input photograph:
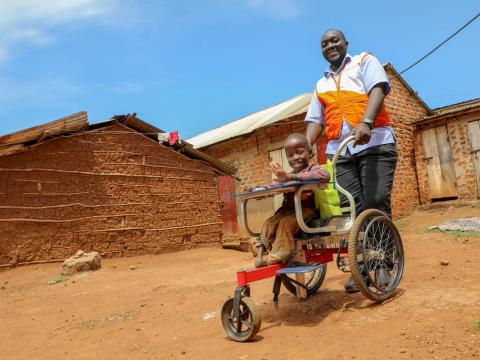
(297, 105)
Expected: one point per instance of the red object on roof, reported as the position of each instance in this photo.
(173, 137)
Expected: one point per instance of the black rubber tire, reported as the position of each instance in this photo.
(313, 286)
(374, 235)
(250, 317)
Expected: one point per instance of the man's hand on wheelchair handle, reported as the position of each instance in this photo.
(362, 134)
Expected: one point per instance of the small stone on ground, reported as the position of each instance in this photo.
(81, 261)
(467, 224)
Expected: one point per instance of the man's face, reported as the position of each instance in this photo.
(334, 47)
(297, 154)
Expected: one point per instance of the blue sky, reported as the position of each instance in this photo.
(193, 65)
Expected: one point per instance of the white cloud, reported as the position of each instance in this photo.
(31, 22)
(283, 9)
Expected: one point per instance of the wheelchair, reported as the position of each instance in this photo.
(364, 245)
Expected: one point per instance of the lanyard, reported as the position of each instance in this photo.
(337, 83)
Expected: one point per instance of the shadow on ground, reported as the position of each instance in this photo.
(313, 310)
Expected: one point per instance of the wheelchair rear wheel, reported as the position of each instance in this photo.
(375, 254)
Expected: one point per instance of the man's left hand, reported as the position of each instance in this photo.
(362, 134)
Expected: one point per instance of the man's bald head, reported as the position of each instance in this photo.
(338, 32)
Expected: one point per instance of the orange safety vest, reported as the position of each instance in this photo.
(346, 103)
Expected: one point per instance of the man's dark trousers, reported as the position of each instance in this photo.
(368, 176)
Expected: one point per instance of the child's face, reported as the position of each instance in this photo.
(297, 154)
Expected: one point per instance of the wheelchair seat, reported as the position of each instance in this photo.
(341, 223)
(313, 222)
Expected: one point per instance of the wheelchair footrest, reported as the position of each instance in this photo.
(299, 268)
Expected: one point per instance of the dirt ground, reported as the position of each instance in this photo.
(168, 307)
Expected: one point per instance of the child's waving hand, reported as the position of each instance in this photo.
(279, 171)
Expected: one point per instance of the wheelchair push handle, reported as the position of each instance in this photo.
(351, 201)
(340, 149)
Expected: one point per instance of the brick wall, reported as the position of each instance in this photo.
(250, 152)
(113, 191)
(404, 110)
(457, 129)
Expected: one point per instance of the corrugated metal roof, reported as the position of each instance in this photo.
(448, 111)
(294, 106)
(463, 105)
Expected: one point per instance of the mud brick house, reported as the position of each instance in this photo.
(447, 150)
(250, 142)
(110, 187)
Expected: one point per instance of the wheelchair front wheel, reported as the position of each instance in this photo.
(247, 325)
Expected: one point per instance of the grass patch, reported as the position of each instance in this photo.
(421, 231)
(89, 324)
(56, 280)
(455, 233)
(92, 324)
(401, 224)
(476, 326)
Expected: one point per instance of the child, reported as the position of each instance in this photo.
(278, 231)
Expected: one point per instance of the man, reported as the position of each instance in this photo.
(349, 100)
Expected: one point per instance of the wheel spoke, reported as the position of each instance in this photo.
(248, 324)
(245, 314)
(378, 247)
(239, 326)
(240, 318)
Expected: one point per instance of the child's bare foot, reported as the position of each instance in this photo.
(259, 262)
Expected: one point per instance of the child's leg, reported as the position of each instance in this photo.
(286, 230)
(267, 235)
(269, 228)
